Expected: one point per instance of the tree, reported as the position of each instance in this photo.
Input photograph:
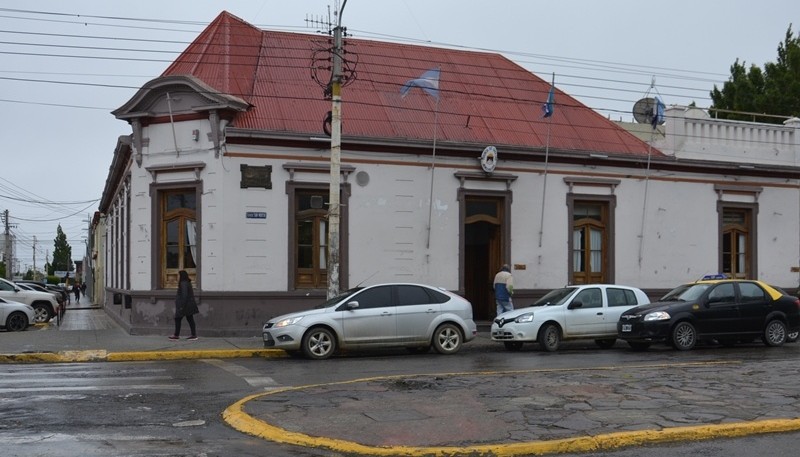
(62, 253)
(774, 90)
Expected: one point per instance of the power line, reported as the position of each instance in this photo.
(616, 66)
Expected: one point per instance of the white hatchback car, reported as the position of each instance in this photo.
(413, 316)
(15, 316)
(589, 311)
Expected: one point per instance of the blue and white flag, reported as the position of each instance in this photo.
(547, 107)
(658, 113)
(428, 81)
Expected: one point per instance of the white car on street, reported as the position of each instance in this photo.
(15, 316)
(412, 316)
(588, 311)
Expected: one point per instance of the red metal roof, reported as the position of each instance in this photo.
(485, 99)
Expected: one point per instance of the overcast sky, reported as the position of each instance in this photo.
(65, 65)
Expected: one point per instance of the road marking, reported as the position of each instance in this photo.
(90, 388)
(253, 378)
(83, 378)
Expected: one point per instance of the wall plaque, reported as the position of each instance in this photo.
(256, 176)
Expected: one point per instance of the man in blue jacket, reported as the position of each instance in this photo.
(503, 290)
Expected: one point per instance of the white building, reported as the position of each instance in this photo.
(226, 175)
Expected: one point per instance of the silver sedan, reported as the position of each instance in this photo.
(414, 316)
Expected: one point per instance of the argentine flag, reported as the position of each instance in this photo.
(547, 107)
(428, 81)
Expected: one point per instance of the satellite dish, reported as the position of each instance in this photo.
(644, 110)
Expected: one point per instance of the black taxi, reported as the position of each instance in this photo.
(726, 310)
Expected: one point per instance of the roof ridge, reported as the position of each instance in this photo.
(486, 98)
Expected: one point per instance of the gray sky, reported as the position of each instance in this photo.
(64, 66)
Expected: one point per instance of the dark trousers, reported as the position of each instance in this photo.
(190, 319)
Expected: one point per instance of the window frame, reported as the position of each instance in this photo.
(748, 228)
(158, 192)
(292, 189)
(608, 205)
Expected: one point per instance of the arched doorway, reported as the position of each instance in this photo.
(484, 248)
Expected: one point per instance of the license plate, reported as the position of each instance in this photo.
(626, 327)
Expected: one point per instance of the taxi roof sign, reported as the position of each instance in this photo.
(714, 276)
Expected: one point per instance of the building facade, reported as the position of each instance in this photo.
(226, 175)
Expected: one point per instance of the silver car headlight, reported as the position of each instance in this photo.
(527, 317)
(288, 321)
(657, 316)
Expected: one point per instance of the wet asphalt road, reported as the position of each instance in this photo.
(481, 396)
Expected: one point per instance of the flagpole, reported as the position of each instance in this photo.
(433, 168)
(546, 160)
(644, 202)
(428, 82)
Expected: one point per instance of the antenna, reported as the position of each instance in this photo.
(644, 111)
(319, 22)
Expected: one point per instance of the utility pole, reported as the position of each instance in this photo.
(7, 249)
(336, 151)
(34, 257)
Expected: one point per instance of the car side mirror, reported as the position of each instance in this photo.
(351, 305)
(575, 304)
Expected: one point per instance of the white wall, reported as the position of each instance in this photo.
(389, 218)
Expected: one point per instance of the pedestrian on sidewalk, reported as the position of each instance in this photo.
(503, 290)
(185, 306)
(77, 291)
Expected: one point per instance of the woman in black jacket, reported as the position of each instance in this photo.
(185, 305)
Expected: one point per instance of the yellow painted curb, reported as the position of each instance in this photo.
(198, 354)
(237, 418)
(135, 356)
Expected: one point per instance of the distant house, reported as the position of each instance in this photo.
(226, 175)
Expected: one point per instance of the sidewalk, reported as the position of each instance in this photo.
(88, 334)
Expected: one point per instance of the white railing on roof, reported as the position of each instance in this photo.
(691, 134)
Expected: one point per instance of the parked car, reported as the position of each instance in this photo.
(414, 316)
(59, 290)
(61, 293)
(728, 311)
(15, 316)
(44, 304)
(589, 311)
(42, 287)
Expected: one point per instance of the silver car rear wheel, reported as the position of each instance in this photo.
(318, 343)
(447, 339)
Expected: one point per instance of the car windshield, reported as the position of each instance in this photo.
(686, 292)
(555, 297)
(332, 301)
